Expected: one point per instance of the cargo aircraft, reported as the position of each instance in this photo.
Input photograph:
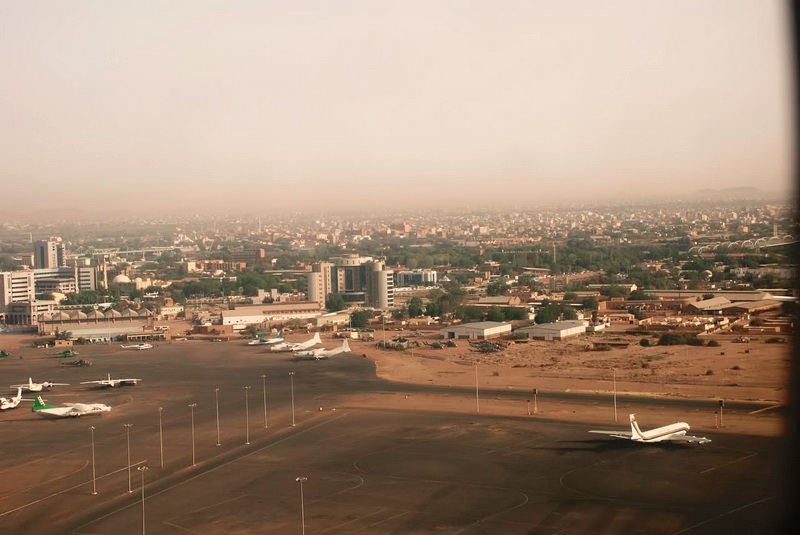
(110, 383)
(320, 354)
(69, 410)
(38, 387)
(11, 403)
(140, 347)
(288, 346)
(669, 433)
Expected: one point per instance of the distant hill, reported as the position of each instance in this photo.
(741, 190)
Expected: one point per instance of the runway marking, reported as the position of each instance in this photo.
(704, 522)
(729, 463)
(527, 499)
(337, 417)
(386, 520)
(351, 521)
(168, 523)
(512, 446)
(85, 464)
(206, 507)
(65, 490)
(771, 407)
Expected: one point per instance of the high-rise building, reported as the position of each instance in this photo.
(416, 277)
(360, 280)
(49, 253)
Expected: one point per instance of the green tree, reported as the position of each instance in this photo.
(555, 312)
(360, 318)
(335, 303)
(495, 314)
(414, 307)
(495, 288)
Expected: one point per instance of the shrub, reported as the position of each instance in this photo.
(709, 372)
(602, 347)
(736, 368)
(713, 343)
(774, 340)
(644, 342)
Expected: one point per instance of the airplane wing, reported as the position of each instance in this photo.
(615, 434)
(100, 382)
(689, 439)
(127, 381)
(19, 386)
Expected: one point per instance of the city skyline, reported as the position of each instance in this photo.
(361, 106)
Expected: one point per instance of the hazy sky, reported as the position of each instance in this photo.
(335, 104)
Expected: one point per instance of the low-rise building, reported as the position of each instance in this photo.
(559, 330)
(481, 330)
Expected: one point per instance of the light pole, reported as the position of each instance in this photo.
(477, 396)
(264, 384)
(614, 374)
(535, 400)
(301, 480)
(291, 380)
(128, 433)
(216, 402)
(142, 469)
(192, 406)
(247, 415)
(161, 436)
(94, 474)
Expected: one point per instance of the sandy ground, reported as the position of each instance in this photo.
(734, 371)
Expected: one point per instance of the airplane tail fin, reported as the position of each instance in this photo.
(636, 433)
(39, 404)
(317, 339)
(345, 346)
(30, 383)
(280, 334)
(19, 393)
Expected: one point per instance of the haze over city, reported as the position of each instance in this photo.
(320, 106)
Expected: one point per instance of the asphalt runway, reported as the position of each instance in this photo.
(368, 471)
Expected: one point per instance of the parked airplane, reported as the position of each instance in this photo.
(261, 341)
(287, 346)
(11, 403)
(140, 347)
(319, 354)
(669, 433)
(110, 383)
(38, 387)
(66, 353)
(69, 410)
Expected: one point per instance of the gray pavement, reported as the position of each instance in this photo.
(369, 471)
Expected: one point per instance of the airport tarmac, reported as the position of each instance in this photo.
(368, 470)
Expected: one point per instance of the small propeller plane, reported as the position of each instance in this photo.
(69, 410)
(140, 347)
(38, 387)
(110, 383)
(261, 341)
(11, 403)
(669, 433)
(320, 354)
(288, 346)
(66, 353)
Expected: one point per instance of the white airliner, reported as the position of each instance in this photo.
(11, 403)
(278, 338)
(69, 410)
(287, 346)
(669, 433)
(38, 387)
(140, 347)
(110, 383)
(319, 354)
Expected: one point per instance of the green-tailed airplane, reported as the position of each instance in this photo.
(69, 410)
